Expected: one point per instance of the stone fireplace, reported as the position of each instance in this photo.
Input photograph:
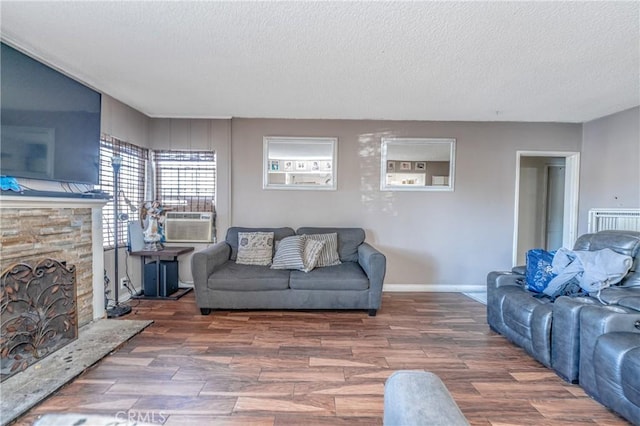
(67, 232)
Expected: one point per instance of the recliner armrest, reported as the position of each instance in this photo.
(498, 279)
(419, 398)
(596, 320)
(520, 269)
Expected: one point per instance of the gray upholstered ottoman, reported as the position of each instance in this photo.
(419, 398)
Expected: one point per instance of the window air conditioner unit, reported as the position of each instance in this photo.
(187, 227)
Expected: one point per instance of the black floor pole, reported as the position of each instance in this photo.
(117, 310)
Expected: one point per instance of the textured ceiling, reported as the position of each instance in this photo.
(480, 61)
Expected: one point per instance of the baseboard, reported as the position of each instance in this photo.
(124, 296)
(434, 288)
(419, 288)
(407, 288)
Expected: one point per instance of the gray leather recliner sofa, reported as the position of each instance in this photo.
(564, 334)
(356, 283)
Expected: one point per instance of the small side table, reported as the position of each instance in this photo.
(156, 255)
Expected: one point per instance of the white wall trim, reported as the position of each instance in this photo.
(97, 263)
(434, 288)
(571, 200)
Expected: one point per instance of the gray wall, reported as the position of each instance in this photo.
(200, 134)
(433, 240)
(123, 122)
(436, 240)
(610, 164)
(129, 125)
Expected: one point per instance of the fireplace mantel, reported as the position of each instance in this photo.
(21, 202)
(25, 202)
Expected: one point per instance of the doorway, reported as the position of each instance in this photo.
(546, 201)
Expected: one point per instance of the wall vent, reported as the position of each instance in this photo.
(189, 227)
(618, 219)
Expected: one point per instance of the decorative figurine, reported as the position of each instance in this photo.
(152, 220)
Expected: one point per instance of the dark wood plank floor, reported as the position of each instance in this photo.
(318, 368)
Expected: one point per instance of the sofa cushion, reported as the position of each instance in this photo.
(232, 236)
(346, 276)
(255, 248)
(237, 277)
(289, 253)
(349, 239)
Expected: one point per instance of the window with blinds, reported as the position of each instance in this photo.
(186, 180)
(130, 185)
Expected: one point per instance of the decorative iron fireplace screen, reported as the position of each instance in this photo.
(37, 313)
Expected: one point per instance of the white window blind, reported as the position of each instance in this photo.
(130, 185)
(186, 180)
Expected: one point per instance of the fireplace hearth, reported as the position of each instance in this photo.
(38, 313)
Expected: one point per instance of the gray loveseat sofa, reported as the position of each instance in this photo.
(590, 340)
(356, 283)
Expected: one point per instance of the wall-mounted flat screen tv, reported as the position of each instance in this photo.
(50, 122)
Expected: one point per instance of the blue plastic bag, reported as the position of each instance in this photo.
(538, 272)
(8, 183)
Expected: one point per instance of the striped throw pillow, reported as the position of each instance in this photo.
(289, 253)
(311, 253)
(329, 253)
